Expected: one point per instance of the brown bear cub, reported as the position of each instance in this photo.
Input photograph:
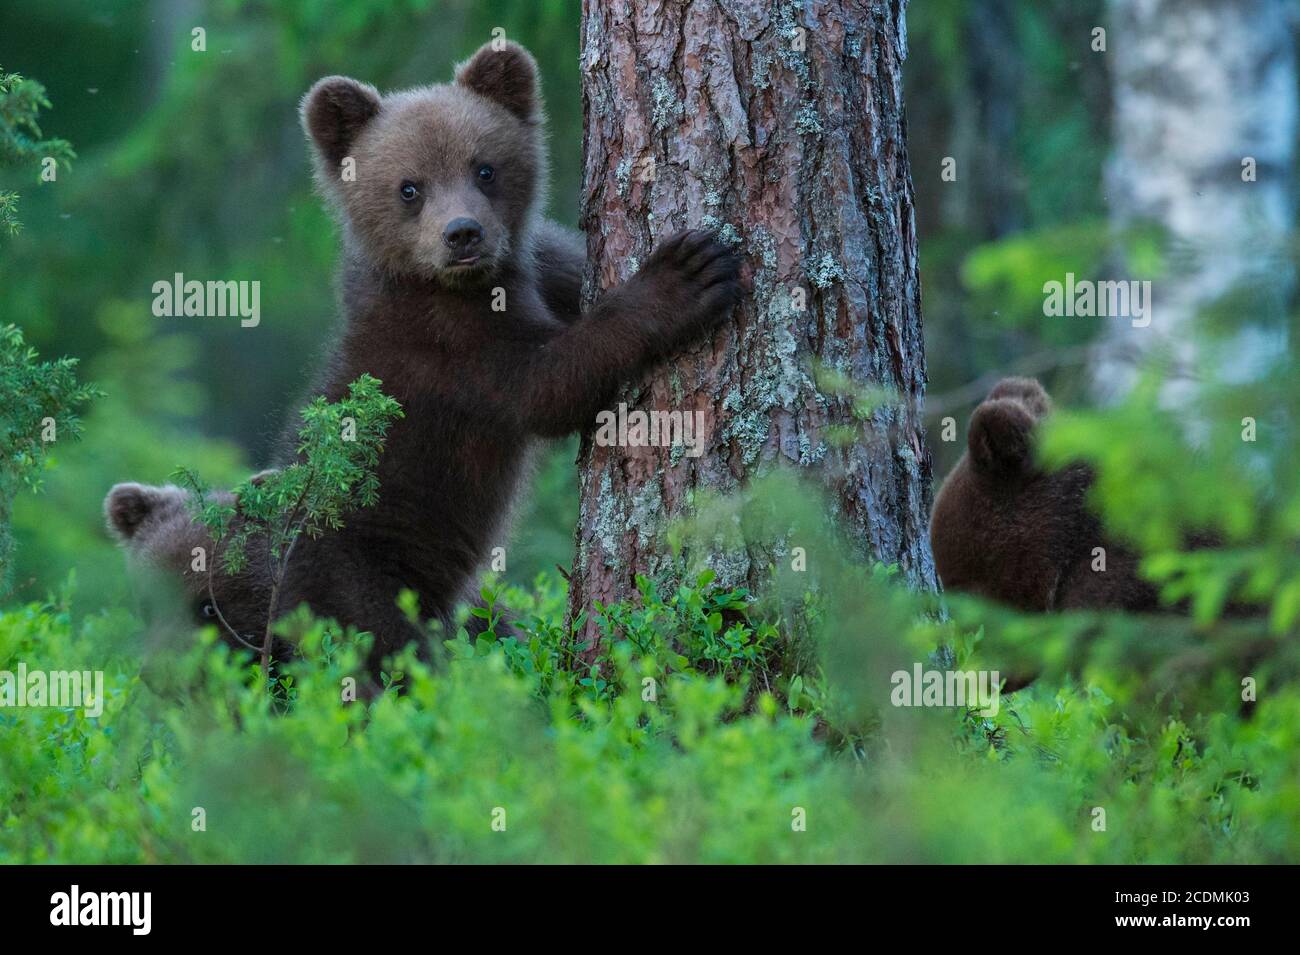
(466, 307)
(162, 540)
(1005, 529)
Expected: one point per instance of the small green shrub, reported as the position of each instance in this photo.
(21, 141)
(42, 400)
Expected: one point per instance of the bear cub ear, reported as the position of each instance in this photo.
(334, 111)
(1000, 436)
(128, 506)
(507, 76)
(1025, 390)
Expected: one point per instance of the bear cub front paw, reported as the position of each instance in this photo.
(691, 282)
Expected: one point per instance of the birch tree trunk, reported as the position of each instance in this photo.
(1205, 135)
(781, 125)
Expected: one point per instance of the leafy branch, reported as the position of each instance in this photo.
(41, 402)
(335, 473)
(21, 139)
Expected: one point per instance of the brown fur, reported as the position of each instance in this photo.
(1005, 529)
(478, 386)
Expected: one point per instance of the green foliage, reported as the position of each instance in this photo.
(697, 630)
(1005, 277)
(336, 473)
(41, 399)
(41, 404)
(588, 766)
(21, 140)
(137, 430)
(1223, 468)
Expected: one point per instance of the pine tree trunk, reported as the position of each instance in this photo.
(781, 125)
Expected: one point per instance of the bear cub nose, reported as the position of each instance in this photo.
(462, 236)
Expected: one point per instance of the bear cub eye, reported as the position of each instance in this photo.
(486, 173)
(208, 610)
(409, 192)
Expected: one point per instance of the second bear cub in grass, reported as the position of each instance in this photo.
(466, 306)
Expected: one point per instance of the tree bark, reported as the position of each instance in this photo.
(1199, 87)
(781, 125)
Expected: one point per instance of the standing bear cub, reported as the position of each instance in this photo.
(1005, 529)
(466, 306)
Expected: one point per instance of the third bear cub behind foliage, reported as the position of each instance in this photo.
(1007, 529)
(466, 306)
